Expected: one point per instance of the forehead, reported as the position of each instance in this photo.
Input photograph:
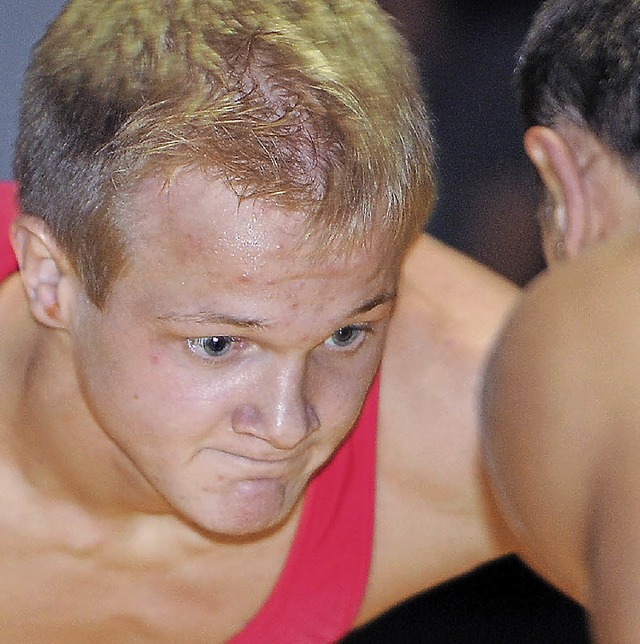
(198, 229)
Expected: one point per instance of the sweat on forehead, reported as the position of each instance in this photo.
(197, 210)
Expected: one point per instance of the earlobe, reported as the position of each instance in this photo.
(44, 270)
(559, 169)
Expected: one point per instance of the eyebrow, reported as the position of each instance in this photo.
(209, 317)
(379, 300)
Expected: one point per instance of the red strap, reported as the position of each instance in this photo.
(8, 210)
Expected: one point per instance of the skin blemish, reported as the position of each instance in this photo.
(52, 310)
(245, 278)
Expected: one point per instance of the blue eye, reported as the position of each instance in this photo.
(347, 336)
(213, 346)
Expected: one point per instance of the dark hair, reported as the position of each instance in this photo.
(580, 64)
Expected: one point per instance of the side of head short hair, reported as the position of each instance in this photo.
(580, 64)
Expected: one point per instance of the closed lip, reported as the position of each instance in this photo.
(257, 458)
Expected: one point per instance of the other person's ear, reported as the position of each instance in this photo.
(46, 274)
(565, 223)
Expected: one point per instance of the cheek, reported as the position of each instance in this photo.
(343, 394)
(124, 377)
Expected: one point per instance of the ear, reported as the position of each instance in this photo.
(47, 276)
(566, 232)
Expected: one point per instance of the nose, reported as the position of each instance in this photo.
(281, 414)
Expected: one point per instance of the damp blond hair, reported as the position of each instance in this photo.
(315, 104)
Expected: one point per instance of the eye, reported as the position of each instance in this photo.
(213, 346)
(348, 336)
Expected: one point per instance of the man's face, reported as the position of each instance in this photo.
(227, 366)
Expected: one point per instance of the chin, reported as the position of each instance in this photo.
(250, 508)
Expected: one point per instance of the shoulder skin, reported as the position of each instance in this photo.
(432, 498)
(561, 413)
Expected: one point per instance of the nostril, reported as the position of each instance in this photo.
(246, 419)
(313, 422)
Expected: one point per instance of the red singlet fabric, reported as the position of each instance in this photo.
(320, 590)
(8, 209)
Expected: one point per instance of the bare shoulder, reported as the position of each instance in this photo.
(430, 501)
(442, 286)
(449, 311)
(560, 399)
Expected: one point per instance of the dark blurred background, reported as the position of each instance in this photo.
(486, 208)
(467, 53)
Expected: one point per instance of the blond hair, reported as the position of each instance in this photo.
(315, 104)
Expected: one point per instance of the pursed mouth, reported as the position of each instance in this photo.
(259, 459)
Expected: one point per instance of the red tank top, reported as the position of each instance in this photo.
(320, 591)
(8, 209)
